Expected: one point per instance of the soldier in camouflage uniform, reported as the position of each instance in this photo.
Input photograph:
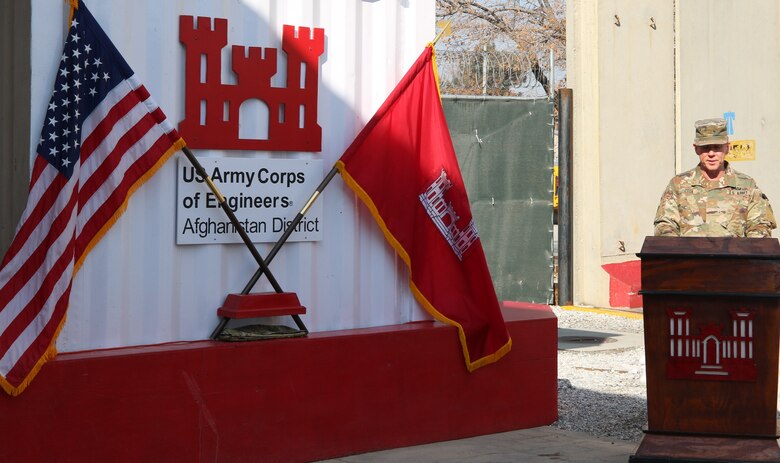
(713, 199)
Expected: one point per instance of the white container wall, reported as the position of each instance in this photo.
(137, 286)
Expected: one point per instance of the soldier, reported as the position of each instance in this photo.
(713, 199)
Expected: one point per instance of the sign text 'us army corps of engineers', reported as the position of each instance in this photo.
(265, 195)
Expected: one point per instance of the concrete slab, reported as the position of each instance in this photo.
(583, 340)
(536, 445)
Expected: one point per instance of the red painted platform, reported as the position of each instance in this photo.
(326, 395)
(625, 281)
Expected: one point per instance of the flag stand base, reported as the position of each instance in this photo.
(258, 305)
(258, 333)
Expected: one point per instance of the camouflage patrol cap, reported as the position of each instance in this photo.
(711, 132)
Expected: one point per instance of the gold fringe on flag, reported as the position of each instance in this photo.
(74, 5)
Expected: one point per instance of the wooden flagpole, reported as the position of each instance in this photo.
(233, 219)
(290, 228)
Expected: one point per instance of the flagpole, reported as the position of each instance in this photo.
(233, 219)
(290, 228)
(440, 34)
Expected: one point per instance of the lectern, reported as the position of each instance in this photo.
(712, 334)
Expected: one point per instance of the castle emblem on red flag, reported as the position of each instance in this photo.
(217, 114)
(446, 219)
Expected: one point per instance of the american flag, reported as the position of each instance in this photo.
(102, 137)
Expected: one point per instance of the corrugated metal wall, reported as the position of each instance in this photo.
(14, 114)
(138, 286)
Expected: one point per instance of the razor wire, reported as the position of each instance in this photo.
(488, 73)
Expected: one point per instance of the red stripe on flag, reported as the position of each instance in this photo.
(117, 198)
(37, 303)
(158, 115)
(143, 94)
(33, 263)
(112, 160)
(104, 127)
(38, 167)
(42, 207)
(173, 136)
(41, 344)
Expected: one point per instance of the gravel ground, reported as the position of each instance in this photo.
(602, 392)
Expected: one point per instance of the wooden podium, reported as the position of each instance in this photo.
(712, 334)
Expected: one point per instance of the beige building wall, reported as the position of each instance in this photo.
(642, 71)
(730, 62)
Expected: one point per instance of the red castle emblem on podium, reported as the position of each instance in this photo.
(213, 109)
(714, 353)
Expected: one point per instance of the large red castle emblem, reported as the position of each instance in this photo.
(213, 109)
(714, 353)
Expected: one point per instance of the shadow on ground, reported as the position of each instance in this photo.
(611, 416)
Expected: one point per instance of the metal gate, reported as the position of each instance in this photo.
(505, 151)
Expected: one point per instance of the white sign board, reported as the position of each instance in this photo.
(264, 194)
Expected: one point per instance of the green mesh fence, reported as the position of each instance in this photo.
(505, 151)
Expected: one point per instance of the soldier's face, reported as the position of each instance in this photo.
(711, 158)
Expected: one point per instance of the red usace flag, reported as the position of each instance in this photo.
(402, 165)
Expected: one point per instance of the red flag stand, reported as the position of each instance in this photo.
(260, 305)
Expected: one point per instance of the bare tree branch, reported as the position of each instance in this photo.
(531, 28)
